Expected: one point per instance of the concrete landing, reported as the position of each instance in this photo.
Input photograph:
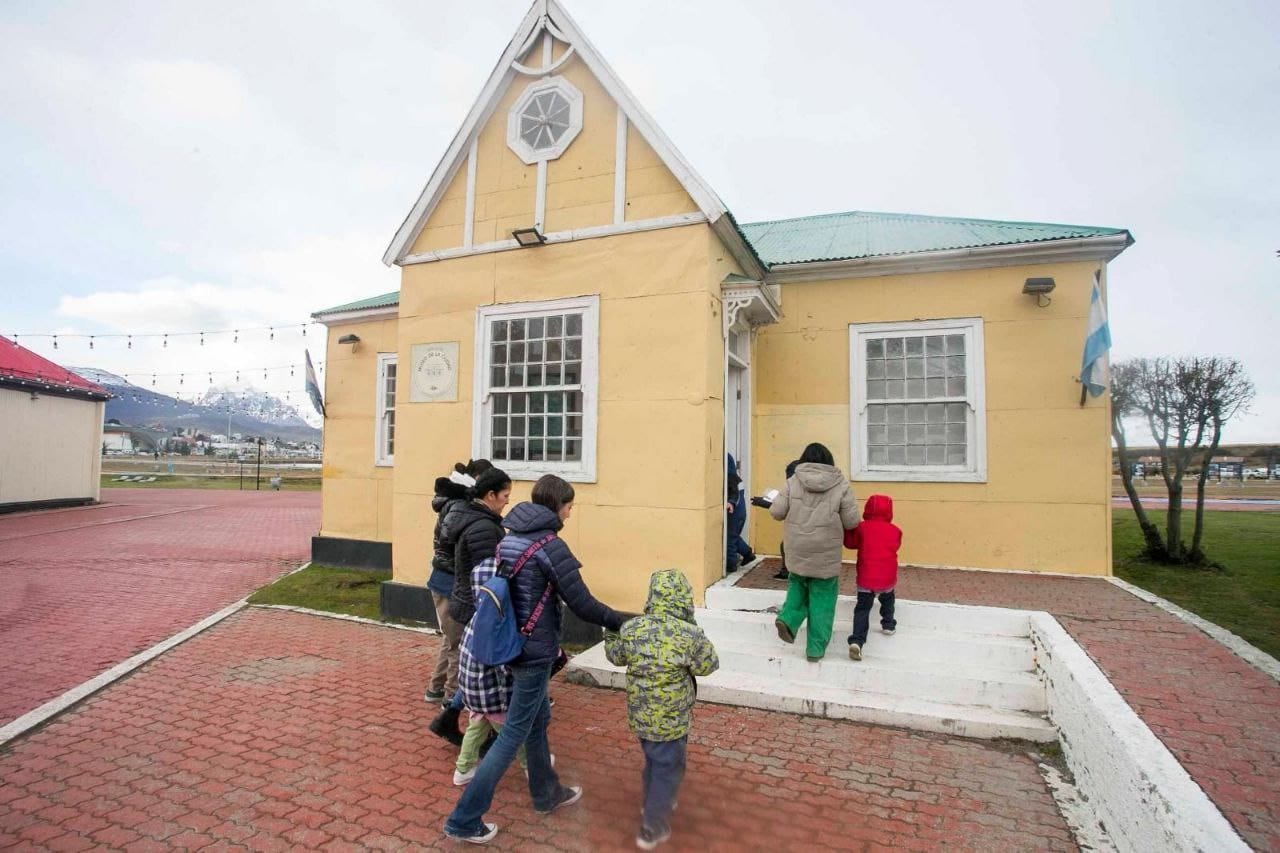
(957, 670)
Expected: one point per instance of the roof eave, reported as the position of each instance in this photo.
(333, 318)
(1100, 248)
(42, 387)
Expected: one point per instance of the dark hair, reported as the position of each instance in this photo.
(816, 452)
(474, 468)
(490, 480)
(552, 492)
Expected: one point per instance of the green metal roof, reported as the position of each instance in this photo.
(861, 234)
(386, 300)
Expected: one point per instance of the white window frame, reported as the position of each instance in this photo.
(975, 470)
(582, 471)
(380, 456)
(516, 142)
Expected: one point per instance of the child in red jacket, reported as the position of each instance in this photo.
(876, 540)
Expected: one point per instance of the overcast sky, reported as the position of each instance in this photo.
(178, 166)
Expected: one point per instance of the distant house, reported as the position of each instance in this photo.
(52, 423)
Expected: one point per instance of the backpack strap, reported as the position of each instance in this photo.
(546, 593)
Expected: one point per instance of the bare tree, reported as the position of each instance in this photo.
(1185, 402)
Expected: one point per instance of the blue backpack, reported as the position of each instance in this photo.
(495, 638)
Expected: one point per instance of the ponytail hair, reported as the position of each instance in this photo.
(490, 480)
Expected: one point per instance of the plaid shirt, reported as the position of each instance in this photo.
(485, 689)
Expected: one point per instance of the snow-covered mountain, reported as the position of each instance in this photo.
(254, 403)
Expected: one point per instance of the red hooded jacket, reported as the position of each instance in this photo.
(876, 540)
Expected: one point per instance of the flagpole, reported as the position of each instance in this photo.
(1084, 392)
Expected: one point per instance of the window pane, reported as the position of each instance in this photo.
(915, 388)
(915, 346)
(895, 368)
(516, 448)
(895, 389)
(572, 451)
(573, 324)
(498, 377)
(535, 450)
(534, 374)
(957, 413)
(517, 427)
(517, 330)
(499, 449)
(955, 386)
(537, 402)
(956, 454)
(915, 434)
(877, 455)
(955, 344)
(555, 351)
(499, 330)
(915, 414)
(517, 404)
(572, 372)
(935, 454)
(499, 426)
(895, 414)
(875, 369)
(535, 327)
(893, 348)
(935, 434)
(536, 427)
(935, 413)
(877, 434)
(574, 401)
(515, 353)
(955, 365)
(573, 349)
(875, 414)
(555, 426)
(515, 376)
(875, 389)
(935, 387)
(933, 345)
(555, 326)
(535, 351)
(935, 367)
(552, 375)
(915, 368)
(897, 454)
(499, 404)
(555, 402)
(956, 433)
(875, 348)
(915, 455)
(499, 355)
(896, 434)
(574, 425)
(555, 450)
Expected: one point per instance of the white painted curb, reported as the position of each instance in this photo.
(1138, 790)
(53, 707)
(347, 618)
(1238, 646)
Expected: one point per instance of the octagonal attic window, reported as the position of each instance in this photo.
(544, 120)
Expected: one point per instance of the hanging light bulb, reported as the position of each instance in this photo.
(202, 339)
(264, 374)
(91, 342)
(130, 342)
(153, 380)
(291, 371)
(166, 340)
(181, 379)
(236, 340)
(210, 378)
(273, 332)
(237, 377)
(55, 341)
(304, 330)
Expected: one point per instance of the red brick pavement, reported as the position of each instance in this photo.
(277, 730)
(1219, 716)
(83, 589)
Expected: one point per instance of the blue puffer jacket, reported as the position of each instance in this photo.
(553, 564)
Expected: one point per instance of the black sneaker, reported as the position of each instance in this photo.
(785, 634)
(567, 797)
(648, 839)
(490, 830)
(432, 696)
(782, 574)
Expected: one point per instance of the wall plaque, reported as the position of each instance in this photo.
(434, 372)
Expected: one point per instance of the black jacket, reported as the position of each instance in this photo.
(448, 497)
(553, 564)
(474, 530)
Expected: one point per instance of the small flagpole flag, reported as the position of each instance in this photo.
(313, 387)
(1097, 342)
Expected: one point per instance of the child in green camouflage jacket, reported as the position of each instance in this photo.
(662, 650)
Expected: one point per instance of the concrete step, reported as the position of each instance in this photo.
(773, 692)
(914, 641)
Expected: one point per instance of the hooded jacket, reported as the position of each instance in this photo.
(449, 495)
(816, 506)
(877, 540)
(553, 564)
(474, 531)
(662, 650)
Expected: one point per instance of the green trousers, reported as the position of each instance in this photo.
(473, 738)
(813, 599)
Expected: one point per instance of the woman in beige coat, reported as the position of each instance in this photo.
(816, 507)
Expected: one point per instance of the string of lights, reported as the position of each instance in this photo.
(164, 337)
(297, 369)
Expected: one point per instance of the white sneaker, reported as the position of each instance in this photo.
(889, 632)
(553, 764)
(855, 651)
(490, 830)
(461, 779)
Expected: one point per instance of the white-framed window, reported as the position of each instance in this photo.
(384, 438)
(537, 367)
(544, 120)
(917, 401)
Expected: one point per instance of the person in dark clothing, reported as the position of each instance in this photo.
(737, 552)
(473, 528)
(551, 576)
(450, 494)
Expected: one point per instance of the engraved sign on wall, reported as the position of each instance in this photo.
(434, 373)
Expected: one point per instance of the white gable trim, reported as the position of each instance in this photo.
(547, 15)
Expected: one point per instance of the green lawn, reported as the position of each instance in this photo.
(1244, 597)
(348, 591)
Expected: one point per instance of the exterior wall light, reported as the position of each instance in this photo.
(529, 237)
(350, 339)
(1040, 288)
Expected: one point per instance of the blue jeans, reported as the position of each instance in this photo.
(527, 720)
(663, 772)
(862, 614)
(456, 702)
(736, 548)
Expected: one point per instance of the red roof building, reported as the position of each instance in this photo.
(24, 369)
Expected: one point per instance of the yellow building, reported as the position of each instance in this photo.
(576, 300)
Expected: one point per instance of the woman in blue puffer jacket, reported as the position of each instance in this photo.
(552, 567)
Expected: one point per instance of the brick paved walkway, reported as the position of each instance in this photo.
(276, 730)
(1219, 716)
(83, 589)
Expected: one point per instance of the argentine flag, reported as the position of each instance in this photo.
(313, 387)
(1093, 370)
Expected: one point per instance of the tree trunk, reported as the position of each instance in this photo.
(1197, 554)
(1173, 524)
(1150, 533)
